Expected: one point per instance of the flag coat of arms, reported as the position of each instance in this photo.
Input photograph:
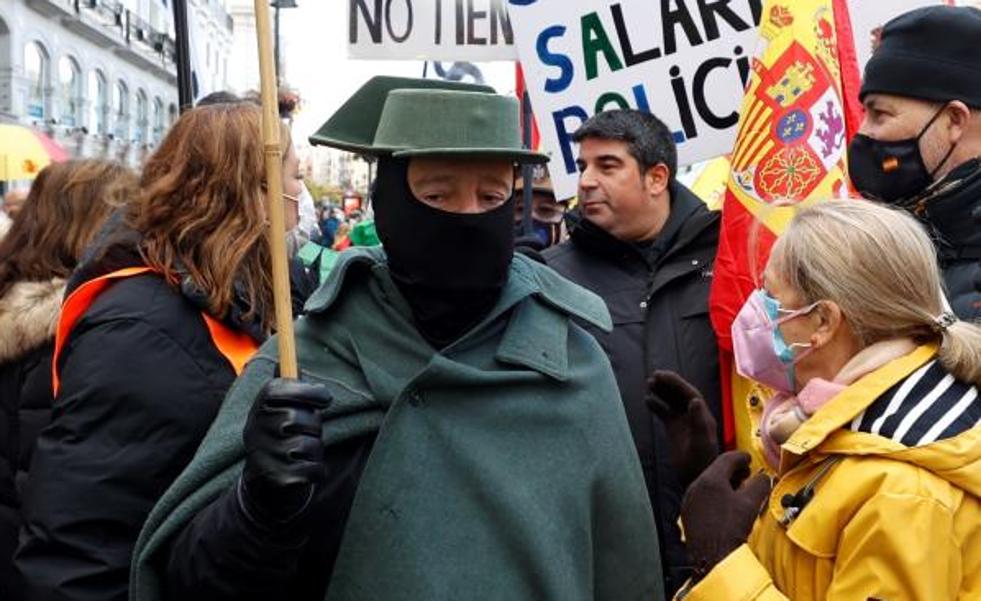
(799, 112)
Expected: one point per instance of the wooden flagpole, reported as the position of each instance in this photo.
(271, 133)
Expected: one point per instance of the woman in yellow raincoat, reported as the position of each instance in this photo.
(875, 430)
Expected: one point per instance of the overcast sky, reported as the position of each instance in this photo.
(314, 36)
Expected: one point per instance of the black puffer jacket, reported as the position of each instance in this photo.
(952, 211)
(658, 298)
(28, 316)
(141, 382)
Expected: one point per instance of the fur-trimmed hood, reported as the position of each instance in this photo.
(28, 317)
(5, 223)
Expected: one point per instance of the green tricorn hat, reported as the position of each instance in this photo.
(418, 117)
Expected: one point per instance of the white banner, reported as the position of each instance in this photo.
(441, 30)
(685, 61)
(868, 16)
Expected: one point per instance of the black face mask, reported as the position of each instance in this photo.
(891, 171)
(451, 267)
(543, 234)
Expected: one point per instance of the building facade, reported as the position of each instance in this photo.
(330, 166)
(99, 76)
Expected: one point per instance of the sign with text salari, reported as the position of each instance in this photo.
(440, 30)
(685, 61)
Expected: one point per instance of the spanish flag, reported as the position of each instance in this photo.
(800, 110)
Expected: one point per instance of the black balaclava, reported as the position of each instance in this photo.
(451, 267)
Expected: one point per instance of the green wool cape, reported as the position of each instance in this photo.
(503, 467)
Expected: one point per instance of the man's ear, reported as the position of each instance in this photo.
(959, 119)
(657, 179)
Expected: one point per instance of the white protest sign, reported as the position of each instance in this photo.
(441, 30)
(867, 16)
(685, 61)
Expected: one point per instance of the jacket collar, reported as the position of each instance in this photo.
(539, 302)
(689, 217)
(952, 207)
(854, 400)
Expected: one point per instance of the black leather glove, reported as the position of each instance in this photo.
(284, 461)
(691, 427)
(719, 509)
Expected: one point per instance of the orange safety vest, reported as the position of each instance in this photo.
(236, 347)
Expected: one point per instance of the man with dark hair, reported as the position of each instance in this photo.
(646, 245)
(919, 146)
(219, 97)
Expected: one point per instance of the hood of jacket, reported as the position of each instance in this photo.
(116, 247)
(28, 317)
(956, 460)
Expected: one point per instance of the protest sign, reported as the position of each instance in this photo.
(686, 61)
(441, 30)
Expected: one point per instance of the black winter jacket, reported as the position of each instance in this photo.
(952, 211)
(28, 316)
(141, 382)
(660, 321)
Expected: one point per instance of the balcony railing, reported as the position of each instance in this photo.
(111, 20)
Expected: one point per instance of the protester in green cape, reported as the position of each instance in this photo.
(456, 434)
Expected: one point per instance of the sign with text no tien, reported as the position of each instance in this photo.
(441, 30)
(686, 61)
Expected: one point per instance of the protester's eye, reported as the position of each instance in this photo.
(494, 198)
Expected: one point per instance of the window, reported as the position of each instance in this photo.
(36, 70)
(172, 113)
(69, 91)
(158, 120)
(120, 109)
(99, 106)
(142, 117)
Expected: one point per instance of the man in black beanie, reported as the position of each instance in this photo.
(919, 146)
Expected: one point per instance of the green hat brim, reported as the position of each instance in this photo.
(352, 127)
(518, 156)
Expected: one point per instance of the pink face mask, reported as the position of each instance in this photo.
(761, 352)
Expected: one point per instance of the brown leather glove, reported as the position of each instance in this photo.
(691, 427)
(720, 508)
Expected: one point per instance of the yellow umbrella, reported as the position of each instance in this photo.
(24, 152)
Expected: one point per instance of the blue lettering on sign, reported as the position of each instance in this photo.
(563, 62)
(565, 134)
(522, 2)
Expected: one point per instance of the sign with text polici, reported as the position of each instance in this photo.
(686, 61)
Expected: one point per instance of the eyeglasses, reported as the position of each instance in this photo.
(291, 198)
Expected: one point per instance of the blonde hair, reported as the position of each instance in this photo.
(880, 267)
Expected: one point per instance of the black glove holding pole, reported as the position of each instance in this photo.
(284, 464)
(720, 508)
(691, 427)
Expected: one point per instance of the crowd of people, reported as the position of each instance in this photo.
(497, 400)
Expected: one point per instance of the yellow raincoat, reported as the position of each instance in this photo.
(886, 522)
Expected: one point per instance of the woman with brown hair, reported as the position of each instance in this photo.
(157, 323)
(67, 204)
